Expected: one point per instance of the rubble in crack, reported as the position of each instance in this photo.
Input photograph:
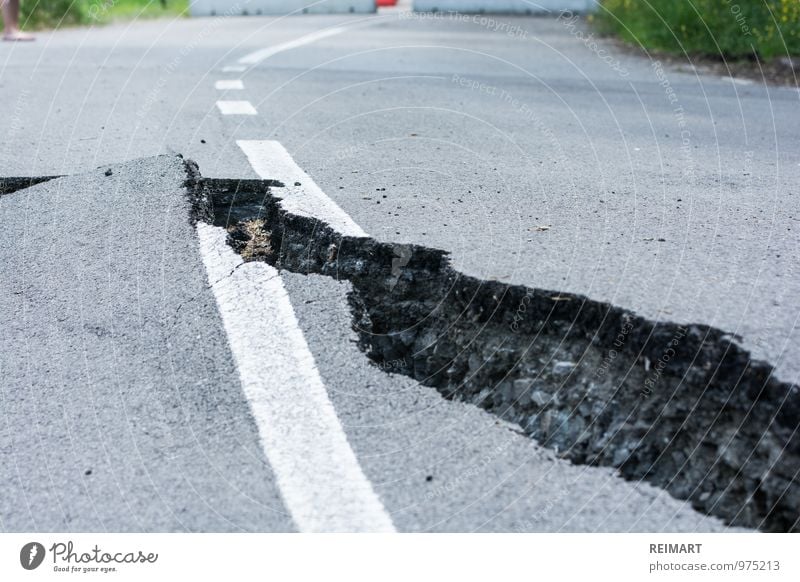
(683, 407)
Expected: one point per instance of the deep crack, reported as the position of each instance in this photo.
(684, 407)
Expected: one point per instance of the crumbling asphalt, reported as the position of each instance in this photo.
(685, 408)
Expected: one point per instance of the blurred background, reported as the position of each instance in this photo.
(730, 29)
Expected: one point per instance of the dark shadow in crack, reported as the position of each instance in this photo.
(12, 184)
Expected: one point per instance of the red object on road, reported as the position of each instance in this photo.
(386, 2)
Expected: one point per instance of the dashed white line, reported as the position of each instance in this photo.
(229, 85)
(739, 80)
(317, 472)
(234, 68)
(319, 477)
(301, 195)
(262, 54)
(236, 108)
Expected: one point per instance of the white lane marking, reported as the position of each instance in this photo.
(739, 80)
(317, 472)
(271, 160)
(234, 68)
(229, 85)
(236, 108)
(265, 53)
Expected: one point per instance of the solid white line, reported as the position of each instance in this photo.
(236, 108)
(234, 69)
(265, 53)
(317, 472)
(301, 194)
(229, 85)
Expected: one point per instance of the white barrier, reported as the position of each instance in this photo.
(504, 6)
(250, 7)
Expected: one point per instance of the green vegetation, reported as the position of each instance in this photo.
(721, 28)
(38, 14)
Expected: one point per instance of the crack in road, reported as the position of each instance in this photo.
(681, 406)
(12, 184)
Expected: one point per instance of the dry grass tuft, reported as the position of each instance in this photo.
(258, 245)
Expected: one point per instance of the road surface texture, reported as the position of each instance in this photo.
(649, 214)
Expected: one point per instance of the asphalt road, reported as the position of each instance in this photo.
(526, 155)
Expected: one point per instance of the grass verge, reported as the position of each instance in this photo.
(43, 14)
(725, 29)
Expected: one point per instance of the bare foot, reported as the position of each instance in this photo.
(18, 36)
